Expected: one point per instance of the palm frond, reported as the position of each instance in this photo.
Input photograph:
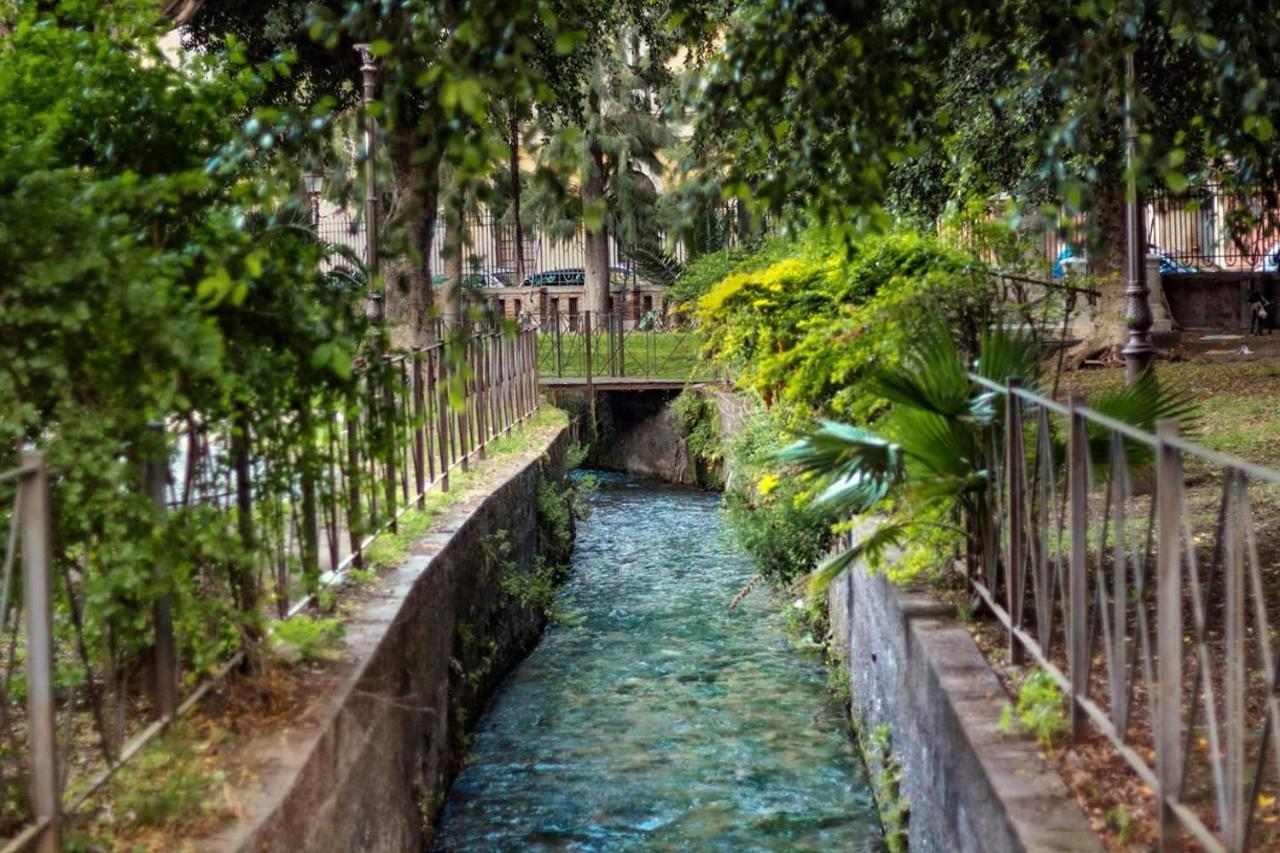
(931, 377)
(1006, 354)
(859, 466)
(1142, 403)
(943, 446)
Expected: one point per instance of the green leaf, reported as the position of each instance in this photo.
(215, 287)
(340, 361)
(568, 40)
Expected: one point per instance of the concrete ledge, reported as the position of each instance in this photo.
(368, 768)
(971, 787)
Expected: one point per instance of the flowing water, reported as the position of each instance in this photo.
(649, 718)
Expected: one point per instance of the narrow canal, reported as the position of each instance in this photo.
(649, 718)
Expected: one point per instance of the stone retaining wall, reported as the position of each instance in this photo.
(369, 769)
(915, 668)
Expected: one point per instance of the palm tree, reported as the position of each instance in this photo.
(931, 453)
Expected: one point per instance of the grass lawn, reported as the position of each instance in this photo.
(664, 355)
(1239, 402)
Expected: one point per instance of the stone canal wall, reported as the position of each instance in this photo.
(640, 432)
(914, 669)
(369, 770)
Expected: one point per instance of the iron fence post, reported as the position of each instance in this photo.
(559, 349)
(419, 431)
(622, 343)
(1015, 459)
(464, 419)
(1168, 728)
(431, 422)
(34, 519)
(482, 396)
(534, 391)
(442, 416)
(1077, 581)
(354, 472)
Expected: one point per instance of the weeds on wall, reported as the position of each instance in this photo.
(307, 639)
(886, 785)
(1041, 710)
(698, 421)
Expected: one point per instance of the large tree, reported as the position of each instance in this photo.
(827, 107)
(438, 66)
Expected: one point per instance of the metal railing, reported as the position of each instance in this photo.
(428, 413)
(1138, 587)
(590, 345)
(1211, 228)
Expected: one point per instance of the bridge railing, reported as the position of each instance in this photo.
(303, 499)
(1129, 567)
(591, 345)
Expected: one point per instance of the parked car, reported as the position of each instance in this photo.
(1170, 264)
(577, 277)
(571, 277)
(501, 277)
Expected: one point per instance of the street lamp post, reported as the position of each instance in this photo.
(368, 72)
(1138, 350)
(313, 183)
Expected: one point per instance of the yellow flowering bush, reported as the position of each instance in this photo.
(803, 329)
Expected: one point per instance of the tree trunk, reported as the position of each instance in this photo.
(244, 580)
(743, 225)
(416, 193)
(1107, 268)
(595, 238)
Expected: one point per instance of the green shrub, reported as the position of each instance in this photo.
(575, 456)
(804, 328)
(704, 271)
(772, 516)
(555, 519)
(886, 783)
(164, 785)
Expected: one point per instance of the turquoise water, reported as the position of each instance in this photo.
(652, 719)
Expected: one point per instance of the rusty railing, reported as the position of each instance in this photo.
(428, 413)
(1127, 565)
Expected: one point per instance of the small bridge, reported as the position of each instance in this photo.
(622, 383)
(618, 352)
